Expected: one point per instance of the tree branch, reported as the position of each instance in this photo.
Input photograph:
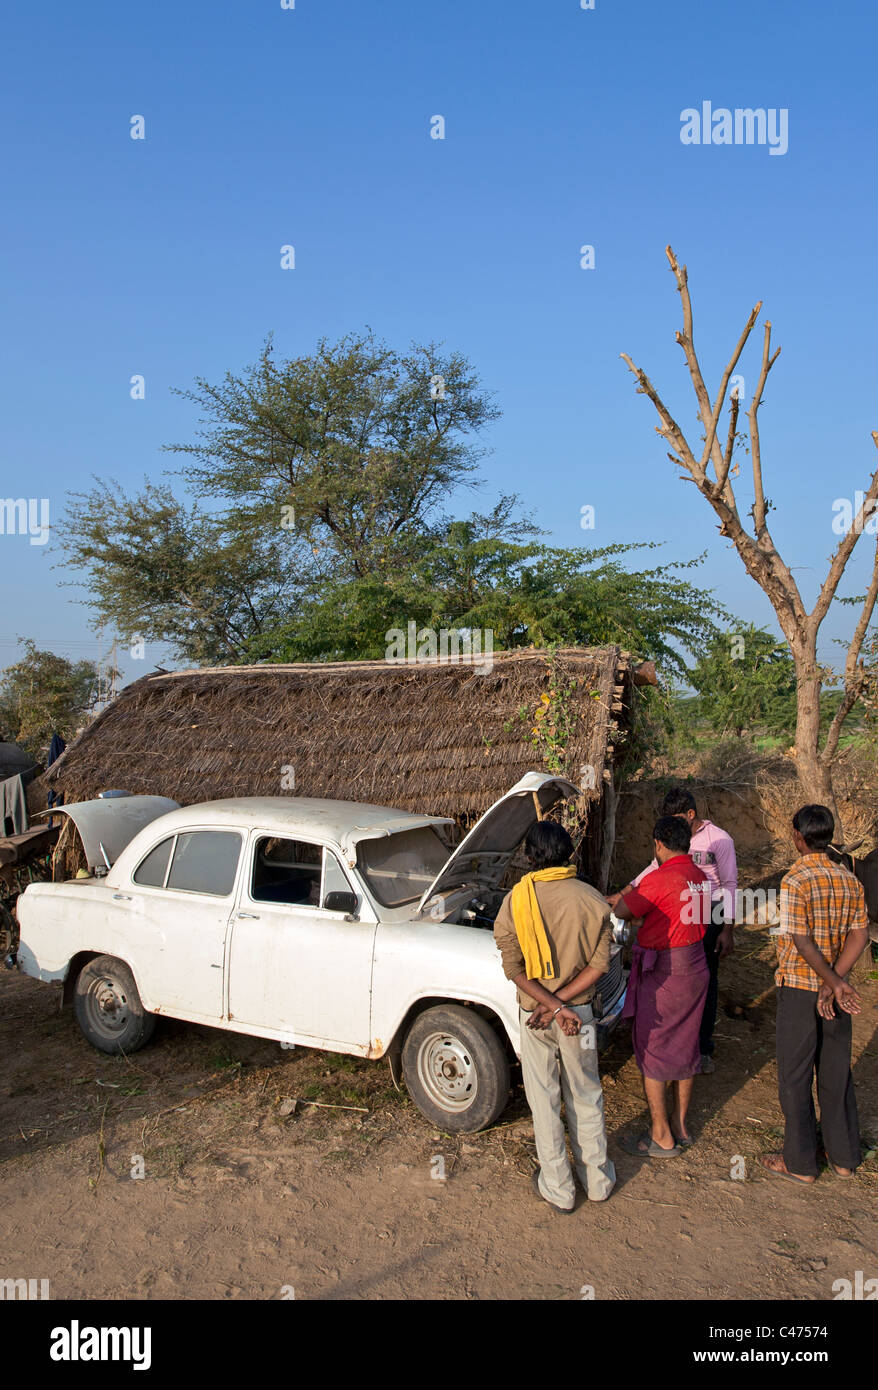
(755, 450)
(846, 545)
(730, 446)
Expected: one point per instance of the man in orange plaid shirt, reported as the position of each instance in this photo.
(823, 931)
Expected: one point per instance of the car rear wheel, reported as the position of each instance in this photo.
(108, 1007)
(455, 1069)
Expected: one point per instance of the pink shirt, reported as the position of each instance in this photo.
(713, 850)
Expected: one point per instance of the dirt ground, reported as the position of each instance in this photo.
(245, 1197)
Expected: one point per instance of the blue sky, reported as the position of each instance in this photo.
(311, 127)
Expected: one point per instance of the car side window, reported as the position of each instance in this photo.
(286, 871)
(205, 861)
(151, 871)
(335, 880)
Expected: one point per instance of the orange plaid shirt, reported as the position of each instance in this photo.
(821, 900)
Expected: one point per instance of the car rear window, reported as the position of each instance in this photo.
(150, 872)
(400, 868)
(205, 861)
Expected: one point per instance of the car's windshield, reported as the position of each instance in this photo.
(400, 868)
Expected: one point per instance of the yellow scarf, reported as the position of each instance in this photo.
(528, 922)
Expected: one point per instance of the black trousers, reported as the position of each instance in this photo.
(807, 1043)
(708, 1018)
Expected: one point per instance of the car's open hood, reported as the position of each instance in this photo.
(107, 824)
(482, 856)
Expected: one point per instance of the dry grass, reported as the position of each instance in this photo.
(445, 739)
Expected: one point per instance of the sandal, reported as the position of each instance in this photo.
(651, 1149)
(782, 1172)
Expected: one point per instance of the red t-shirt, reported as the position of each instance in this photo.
(673, 914)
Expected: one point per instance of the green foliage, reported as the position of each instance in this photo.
(554, 720)
(314, 525)
(43, 694)
(356, 438)
(469, 574)
(199, 582)
(746, 681)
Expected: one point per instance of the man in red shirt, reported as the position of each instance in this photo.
(668, 983)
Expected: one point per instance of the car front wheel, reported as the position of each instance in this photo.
(455, 1069)
(108, 1007)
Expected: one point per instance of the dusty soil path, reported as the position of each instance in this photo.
(245, 1197)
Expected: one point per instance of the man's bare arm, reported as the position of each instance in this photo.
(855, 944)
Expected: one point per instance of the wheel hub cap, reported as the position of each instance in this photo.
(447, 1071)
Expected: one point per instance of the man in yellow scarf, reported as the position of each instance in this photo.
(553, 933)
(529, 926)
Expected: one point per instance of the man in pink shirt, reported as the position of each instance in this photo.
(713, 850)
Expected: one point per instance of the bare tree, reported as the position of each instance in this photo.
(710, 468)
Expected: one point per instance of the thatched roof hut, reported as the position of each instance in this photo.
(446, 738)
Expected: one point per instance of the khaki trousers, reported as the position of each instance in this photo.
(555, 1067)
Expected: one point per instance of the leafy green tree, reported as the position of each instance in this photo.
(469, 576)
(43, 694)
(314, 525)
(365, 444)
(177, 575)
(746, 681)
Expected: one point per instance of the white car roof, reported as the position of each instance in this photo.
(305, 817)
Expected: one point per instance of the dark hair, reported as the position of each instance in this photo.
(547, 845)
(678, 801)
(673, 833)
(816, 825)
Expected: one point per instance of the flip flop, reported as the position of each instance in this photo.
(686, 1143)
(845, 1177)
(778, 1173)
(652, 1150)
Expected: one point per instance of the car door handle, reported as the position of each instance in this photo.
(122, 897)
(253, 915)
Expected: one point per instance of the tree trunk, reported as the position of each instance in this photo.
(814, 775)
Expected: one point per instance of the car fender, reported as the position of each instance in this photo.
(417, 965)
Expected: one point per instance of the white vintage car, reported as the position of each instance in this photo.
(329, 924)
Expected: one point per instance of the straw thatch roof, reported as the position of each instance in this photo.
(445, 738)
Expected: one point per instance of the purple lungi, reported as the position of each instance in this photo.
(666, 994)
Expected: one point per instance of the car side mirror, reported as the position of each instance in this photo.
(341, 902)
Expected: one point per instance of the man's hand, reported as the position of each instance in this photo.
(613, 898)
(847, 998)
(725, 942)
(543, 1017)
(540, 1018)
(825, 1006)
(570, 1022)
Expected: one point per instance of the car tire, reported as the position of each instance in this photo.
(456, 1069)
(108, 1007)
